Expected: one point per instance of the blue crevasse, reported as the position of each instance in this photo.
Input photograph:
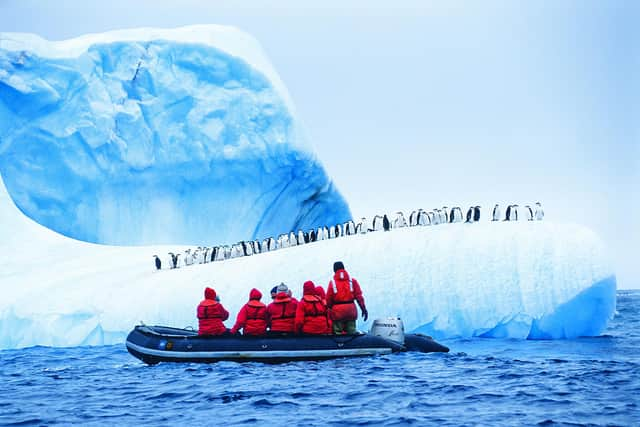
(142, 138)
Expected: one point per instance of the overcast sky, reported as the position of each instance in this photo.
(420, 104)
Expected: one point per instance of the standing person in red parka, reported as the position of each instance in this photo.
(311, 314)
(211, 314)
(341, 294)
(252, 318)
(282, 311)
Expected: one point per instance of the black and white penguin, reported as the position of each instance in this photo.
(496, 214)
(283, 241)
(413, 219)
(476, 213)
(386, 225)
(507, 213)
(455, 215)
(332, 233)
(399, 221)
(528, 212)
(512, 213)
(179, 262)
(257, 247)
(433, 218)
(158, 262)
(312, 235)
(349, 228)
(539, 214)
(301, 239)
(293, 240)
(172, 260)
(363, 226)
(338, 230)
(445, 212)
(377, 223)
(470, 215)
(423, 218)
(226, 254)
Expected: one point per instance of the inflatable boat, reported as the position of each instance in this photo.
(154, 344)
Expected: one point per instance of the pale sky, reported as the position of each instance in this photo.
(420, 104)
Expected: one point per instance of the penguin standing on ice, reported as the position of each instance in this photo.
(528, 212)
(413, 219)
(158, 262)
(433, 218)
(301, 238)
(445, 212)
(455, 215)
(349, 228)
(512, 213)
(377, 223)
(173, 260)
(312, 235)
(338, 230)
(386, 225)
(423, 218)
(495, 215)
(293, 240)
(470, 215)
(476, 213)
(399, 222)
(539, 212)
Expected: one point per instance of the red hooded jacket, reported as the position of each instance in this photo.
(311, 314)
(341, 294)
(211, 314)
(252, 318)
(282, 313)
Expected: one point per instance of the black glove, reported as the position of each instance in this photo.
(365, 314)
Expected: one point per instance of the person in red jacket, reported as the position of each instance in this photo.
(282, 311)
(252, 318)
(211, 314)
(342, 293)
(311, 313)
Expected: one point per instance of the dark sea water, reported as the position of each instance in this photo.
(492, 382)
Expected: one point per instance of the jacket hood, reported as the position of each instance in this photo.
(209, 293)
(309, 288)
(320, 292)
(255, 294)
(341, 275)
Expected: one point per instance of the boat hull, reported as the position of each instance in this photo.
(154, 344)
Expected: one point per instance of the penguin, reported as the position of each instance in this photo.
(432, 218)
(470, 215)
(325, 232)
(445, 212)
(512, 213)
(349, 228)
(188, 258)
(507, 213)
(377, 223)
(413, 219)
(399, 222)
(338, 230)
(332, 233)
(495, 215)
(455, 215)
(528, 212)
(539, 214)
(257, 247)
(312, 235)
(227, 252)
(158, 262)
(363, 226)
(293, 240)
(301, 238)
(283, 241)
(386, 224)
(179, 262)
(423, 218)
(476, 213)
(172, 260)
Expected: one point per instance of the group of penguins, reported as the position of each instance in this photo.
(203, 255)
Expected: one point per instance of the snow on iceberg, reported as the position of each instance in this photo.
(495, 279)
(151, 136)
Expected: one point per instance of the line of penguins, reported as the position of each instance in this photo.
(203, 255)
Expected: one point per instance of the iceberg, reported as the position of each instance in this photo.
(168, 138)
(534, 279)
(157, 136)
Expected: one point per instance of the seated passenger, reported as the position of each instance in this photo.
(311, 314)
(252, 318)
(211, 314)
(281, 313)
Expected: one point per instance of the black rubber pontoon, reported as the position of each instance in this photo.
(153, 344)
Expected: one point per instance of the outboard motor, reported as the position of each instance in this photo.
(390, 328)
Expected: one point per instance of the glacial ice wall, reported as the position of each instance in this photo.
(536, 280)
(156, 136)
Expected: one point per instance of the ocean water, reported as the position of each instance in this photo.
(587, 381)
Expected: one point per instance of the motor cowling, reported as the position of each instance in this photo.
(390, 328)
